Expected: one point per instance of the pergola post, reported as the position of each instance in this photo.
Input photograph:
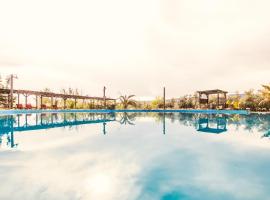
(225, 99)
(207, 100)
(36, 101)
(26, 99)
(218, 100)
(199, 100)
(41, 102)
(8, 101)
(51, 101)
(18, 98)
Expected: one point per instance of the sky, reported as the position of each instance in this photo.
(136, 47)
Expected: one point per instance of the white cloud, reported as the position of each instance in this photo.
(136, 47)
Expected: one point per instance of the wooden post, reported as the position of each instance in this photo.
(164, 98)
(51, 101)
(225, 100)
(41, 102)
(199, 100)
(26, 97)
(207, 96)
(18, 98)
(218, 100)
(8, 101)
(104, 97)
(75, 103)
(36, 101)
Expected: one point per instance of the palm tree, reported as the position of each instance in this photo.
(63, 91)
(127, 101)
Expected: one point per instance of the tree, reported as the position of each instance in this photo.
(127, 101)
(171, 104)
(250, 100)
(2, 97)
(157, 103)
(265, 97)
(186, 102)
(234, 101)
(46, 100)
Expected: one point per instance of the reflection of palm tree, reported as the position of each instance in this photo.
(127, 101)
(127, 118)
(267, 134)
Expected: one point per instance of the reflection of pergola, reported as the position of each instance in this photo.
(8, 125)
(204, 97)
(218, 125)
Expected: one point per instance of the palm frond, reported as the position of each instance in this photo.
(130, 96)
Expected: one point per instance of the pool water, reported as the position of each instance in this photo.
(134, 156)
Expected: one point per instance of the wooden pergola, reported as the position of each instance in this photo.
(205, 94)
(40, 95)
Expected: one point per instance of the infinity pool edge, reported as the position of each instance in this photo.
(13, 112)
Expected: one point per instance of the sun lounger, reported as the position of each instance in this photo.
(28, 106)
(19, 106)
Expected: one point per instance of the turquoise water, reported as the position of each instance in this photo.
(134, 156)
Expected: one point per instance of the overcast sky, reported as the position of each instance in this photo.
(136, 47)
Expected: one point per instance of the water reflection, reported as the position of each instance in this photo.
(209, 123)
(135, 160)
(201, 122)
(212, 124)
(31, 122)
(127, 118)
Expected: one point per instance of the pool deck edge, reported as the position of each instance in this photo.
(13, 112)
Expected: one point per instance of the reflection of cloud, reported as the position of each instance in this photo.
(134, 162)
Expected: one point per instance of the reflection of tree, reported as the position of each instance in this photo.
(7, 122)
(127, 118)
(252, 122)
(188, 119)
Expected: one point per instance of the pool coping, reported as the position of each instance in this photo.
(14, 112)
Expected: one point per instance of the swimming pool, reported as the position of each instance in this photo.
(153, 155)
